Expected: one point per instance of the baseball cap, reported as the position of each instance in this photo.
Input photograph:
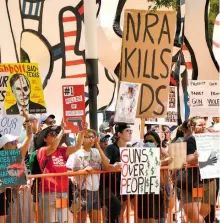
(104, 126)
(6, 139)
(44, 117)
(104, 137)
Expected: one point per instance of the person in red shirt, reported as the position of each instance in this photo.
(52, 158)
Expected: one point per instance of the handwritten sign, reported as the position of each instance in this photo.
(146, 57)
(12, 172)
(178, 152)
(126, 106)
(4, 76)
(140, 171)
(11, 124)
(74, 107)
(204, 97)
(24, 90)
(208, 146)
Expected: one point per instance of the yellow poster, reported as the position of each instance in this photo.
(24, 90)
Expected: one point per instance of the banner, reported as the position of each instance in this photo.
(11, 124)
(146, 57)
(74, 107)
(208, 146)
(204, 98)
(24, 90)
(126, 106)
(4, 76)
(172, 115)
(12, 172)
(178, 152)
(140, 170)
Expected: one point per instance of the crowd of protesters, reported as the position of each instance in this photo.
(97, 196)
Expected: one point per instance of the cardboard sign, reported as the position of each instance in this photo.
(74, 107)
(146, 57)
(140, 171)
(208, 146)
(204, 98)
(178, 152)
(127, 103)
(4, 76)
(24, 89)
(12, 172)
(11, 124)
(172, 115)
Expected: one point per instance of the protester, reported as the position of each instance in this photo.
(52, 159)
(149, 212)
(46, 121)
(10, 142)
(191, 204)
(104, 141)
(123, 135)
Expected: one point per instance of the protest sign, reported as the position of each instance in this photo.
(126, 106)
(208, 146)
(73, 107)
(12, 172)
(24, 90)
(11, 124)
(140, 170)
(4, 76)
(172, 116)
(178, 152)
(204, 98)
(146, 57)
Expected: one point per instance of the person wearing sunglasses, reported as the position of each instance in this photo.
(52, 158)
(10, 142)
(45, 121)
(150, 211)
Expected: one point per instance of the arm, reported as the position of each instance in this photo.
(79, 141)
(52, 148)
(192, 159)
(27, 141)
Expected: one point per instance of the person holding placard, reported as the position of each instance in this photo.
(194, 210)
(10, 142)
(153, 202)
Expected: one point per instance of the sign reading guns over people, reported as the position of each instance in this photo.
(11, 168)
(146, 57)
(140, 171)
(24, 90)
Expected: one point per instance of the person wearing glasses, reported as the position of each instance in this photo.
(45, 121)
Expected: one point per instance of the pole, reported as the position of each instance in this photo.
(91, 59)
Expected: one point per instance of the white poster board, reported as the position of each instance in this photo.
(4, 76)
(204, 98)
(140, 171)
(11, 124)
(126, 106)
(208, 146)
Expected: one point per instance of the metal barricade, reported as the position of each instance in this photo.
(95, 197)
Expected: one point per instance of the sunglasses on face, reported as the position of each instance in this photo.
(149, 141)
(52, 134)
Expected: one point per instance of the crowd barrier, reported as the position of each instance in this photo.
(173, 204)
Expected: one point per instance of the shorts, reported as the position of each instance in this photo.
(4, 204)
(50, 213)
(93, 200)
(186, 196)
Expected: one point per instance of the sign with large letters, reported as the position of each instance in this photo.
(140, 170)
(146, 57)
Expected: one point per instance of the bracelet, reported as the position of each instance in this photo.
(28, 120)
